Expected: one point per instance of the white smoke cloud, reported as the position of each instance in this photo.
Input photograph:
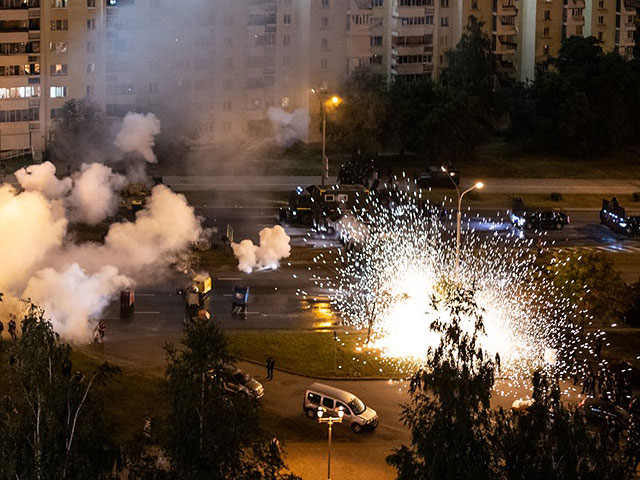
(72, 298)
(137, 135)
(167, 226)
(30, 227)
(73, 283)
(289, 127)
(274, 246)
(95, 194)
(42, 178)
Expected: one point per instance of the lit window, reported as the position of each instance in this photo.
(57, 92)
(20, 92)
(58, 69)
(285, 102)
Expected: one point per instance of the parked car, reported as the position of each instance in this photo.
(435, 177)
(240, 382)
(356, 413)
(602, 413)
(522, 405)
(529, 219)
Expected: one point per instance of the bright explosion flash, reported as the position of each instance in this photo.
(399, 249)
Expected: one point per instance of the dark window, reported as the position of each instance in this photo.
(327, 402)
(344, 408)
(313, 398)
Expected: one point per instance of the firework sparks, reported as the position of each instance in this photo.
(399, 249)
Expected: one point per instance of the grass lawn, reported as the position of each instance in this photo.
(501, 160)
(311, 353)
(129, 397)
(624, 345)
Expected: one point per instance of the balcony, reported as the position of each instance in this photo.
(505, 47)
(507, 9)
(506, 29)
(19, 4)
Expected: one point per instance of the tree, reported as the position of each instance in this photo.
(81, 134)
(50, 422)
(360, 124)
(212, 432)
(584, 103)
(553, 441)
(589, 281)
(449, 415)
(471, 66)
(412, 101)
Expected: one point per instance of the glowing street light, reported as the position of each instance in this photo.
(334, 101)
(329, 421)
(477, 186)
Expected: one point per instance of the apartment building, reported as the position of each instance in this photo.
(215, 67)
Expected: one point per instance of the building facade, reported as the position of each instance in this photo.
(215, 68)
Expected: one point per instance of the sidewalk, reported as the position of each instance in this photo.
(491, 185)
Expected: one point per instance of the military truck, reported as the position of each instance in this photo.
(615, 217)
(321, 206)
(134, 196)
(195, 295)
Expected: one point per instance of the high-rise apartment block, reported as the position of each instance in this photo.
(217, 66)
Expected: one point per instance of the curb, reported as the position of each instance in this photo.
(291, 372)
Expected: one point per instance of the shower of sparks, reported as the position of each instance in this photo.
(399, 248)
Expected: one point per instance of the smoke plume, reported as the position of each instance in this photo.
(274, 246)
(289, 127)
(42, 178)
(137, 135)
(73, 283)
(72, 298)
(95, 194)
(30, 227)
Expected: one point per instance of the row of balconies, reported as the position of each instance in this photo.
(19, 4)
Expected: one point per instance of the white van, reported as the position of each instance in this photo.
(356, 413)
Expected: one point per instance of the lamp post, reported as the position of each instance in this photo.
(477, 186)
(335, 101)
(329, 421)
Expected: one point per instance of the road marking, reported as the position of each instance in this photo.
(147, 313)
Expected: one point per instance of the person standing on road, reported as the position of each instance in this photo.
(271, 362)
(1, 329)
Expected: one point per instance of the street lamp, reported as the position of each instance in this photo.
(335, 101)
(477, 186)
(330, 421)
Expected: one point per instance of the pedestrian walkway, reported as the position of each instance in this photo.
(595, 248)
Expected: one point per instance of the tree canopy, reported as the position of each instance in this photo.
(213, 432)
(51, 422)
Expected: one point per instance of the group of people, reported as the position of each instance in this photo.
(12, 327)
(607, 384)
